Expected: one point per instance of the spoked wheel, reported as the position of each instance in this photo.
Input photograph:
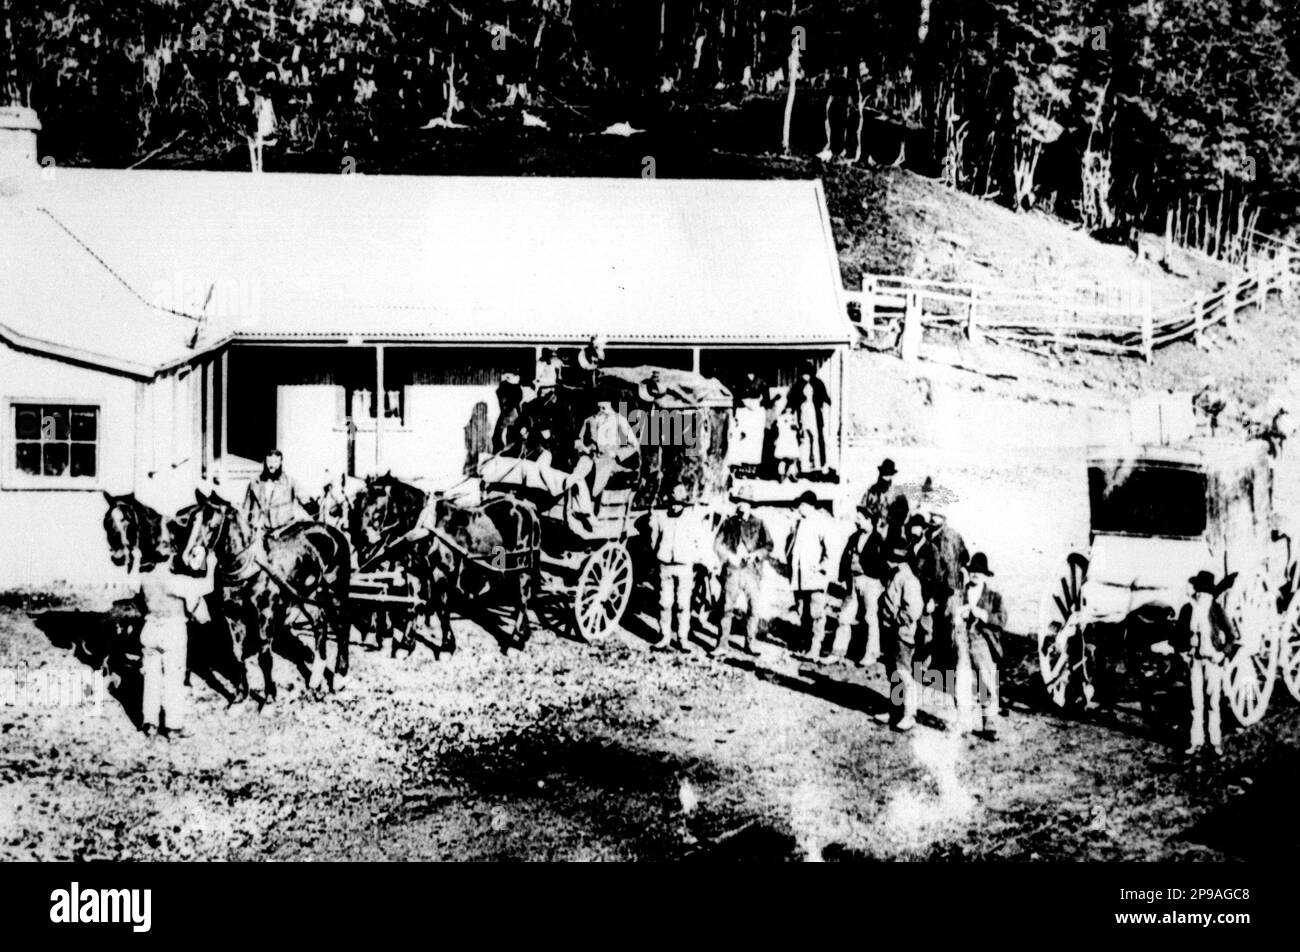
(1252, 669)
(1289, 650)
(603, 591)
(1063, 657)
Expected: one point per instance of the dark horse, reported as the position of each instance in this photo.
(467, 552)
(299, 572)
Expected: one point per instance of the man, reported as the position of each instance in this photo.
(985, 618)
(807, 398)
(547, 374)
(900, 611)
(510, 401)
(170, 598)
(808, 555)
(673, 538)
(861, 574)
(941, 562)
(272, 500)
(882, 501)
(1204, 636)
(743, 544)
(608, 445)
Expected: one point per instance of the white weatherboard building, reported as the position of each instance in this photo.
(160, 328)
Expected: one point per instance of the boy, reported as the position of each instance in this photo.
(170, 599)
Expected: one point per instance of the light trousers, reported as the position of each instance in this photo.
(163, 647)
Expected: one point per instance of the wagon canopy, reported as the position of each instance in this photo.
(665, 388)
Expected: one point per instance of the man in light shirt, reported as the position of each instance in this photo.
(674, 537)
(808, 553)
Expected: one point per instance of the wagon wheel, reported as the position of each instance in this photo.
(603, 591)
(1289, 649)
(1063, 655)
(1252, 670)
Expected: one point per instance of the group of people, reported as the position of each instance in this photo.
(907, 591)
(794, 432)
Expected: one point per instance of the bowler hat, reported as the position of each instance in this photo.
(807, 496)
(1203, 581)
(887, 468)
(979, 565)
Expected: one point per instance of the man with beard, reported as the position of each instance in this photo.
(941, 562)
(272, 500)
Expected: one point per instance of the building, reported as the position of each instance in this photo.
(159, 328)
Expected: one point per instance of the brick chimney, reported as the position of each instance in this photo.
(18, 128)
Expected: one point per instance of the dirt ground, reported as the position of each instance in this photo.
(579, 752)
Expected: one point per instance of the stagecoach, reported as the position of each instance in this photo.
(1158, 515)
(589, 558)
(681, 423)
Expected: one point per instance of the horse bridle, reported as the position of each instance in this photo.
(244, 558)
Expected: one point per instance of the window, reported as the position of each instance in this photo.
(361, 401)
(55, 441)
(1148, 501)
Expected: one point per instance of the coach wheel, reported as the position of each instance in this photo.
(603, 591)
(1062, 656)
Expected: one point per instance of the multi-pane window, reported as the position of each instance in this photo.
(56, 440)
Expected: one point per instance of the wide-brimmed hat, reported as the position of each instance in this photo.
(979, 565)
(1203, 581)
(887, 468)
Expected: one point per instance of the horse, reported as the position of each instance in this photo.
(303, 568)
(133, 531)
(455, 550)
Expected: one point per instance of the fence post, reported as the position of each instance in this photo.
(1148, 328)
(1198, 319)
(868, 316)
(972, 319)
(910, 344)
(1231, 301)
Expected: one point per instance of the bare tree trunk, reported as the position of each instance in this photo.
(796, 41)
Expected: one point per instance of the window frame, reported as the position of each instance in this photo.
(12, 478)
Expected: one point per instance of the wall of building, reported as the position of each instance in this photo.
(55, 533)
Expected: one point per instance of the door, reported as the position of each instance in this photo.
(311, 434)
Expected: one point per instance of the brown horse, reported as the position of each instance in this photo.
(298, 573)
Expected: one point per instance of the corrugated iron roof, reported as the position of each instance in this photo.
(323, 257)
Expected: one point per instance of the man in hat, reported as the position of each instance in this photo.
(673, 537)
(940, 566)
(807, 553)
(607, 444)
(900, 610)
(985, 618)
(861, 574)
(743, 544)
(272, 500)
(882, 501)
(1204, 635)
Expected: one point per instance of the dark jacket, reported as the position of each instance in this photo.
(991, 602)
(1222, 635)
(749, 532)
(939, 561)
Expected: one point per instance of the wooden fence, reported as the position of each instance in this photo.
(1118, 319)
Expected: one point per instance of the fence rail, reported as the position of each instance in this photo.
(1118, 319)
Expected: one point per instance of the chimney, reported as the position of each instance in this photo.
(18, 128)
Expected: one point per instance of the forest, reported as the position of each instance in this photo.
(1109, 113)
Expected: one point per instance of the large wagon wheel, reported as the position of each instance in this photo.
(1063, 656)
(1289, 649)
(603, 591)
(1252, 669)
